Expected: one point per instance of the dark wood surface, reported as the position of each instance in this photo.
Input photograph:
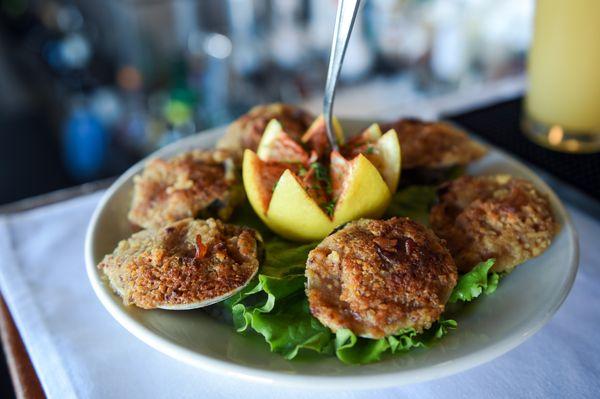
(25, 382)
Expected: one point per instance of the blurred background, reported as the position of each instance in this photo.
(89, 87)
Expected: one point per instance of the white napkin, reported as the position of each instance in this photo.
(78, 350)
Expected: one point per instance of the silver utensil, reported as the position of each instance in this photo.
(344, 21)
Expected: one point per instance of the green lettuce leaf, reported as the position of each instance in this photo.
(281, 274)
(413, 202)
(289, 328)
(474, 283)
(275, 288)
(351, 349)
(275, 306)
(284, 258)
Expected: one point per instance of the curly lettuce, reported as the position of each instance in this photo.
(279, 309)
(476, 282)
(351, 349)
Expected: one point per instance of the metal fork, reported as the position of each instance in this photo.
(344, 21)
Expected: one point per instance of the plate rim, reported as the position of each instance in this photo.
(383, 379)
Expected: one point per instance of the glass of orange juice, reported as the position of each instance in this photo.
(562, 106)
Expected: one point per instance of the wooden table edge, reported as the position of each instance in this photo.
(24, 378)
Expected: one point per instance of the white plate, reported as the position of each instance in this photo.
(493, 325)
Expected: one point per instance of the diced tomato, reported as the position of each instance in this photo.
(285, 149)
(269, 173)
(316, 138)
(338, 170)
(201, 249)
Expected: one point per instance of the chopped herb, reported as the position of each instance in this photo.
(370, 150)
(320, 171)
(302, 171)
(322, 175)
(329, 207)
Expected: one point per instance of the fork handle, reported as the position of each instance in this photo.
(344, 22)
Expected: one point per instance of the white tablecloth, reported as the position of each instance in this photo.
(78, 350)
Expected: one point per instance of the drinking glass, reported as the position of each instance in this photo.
(562, 106)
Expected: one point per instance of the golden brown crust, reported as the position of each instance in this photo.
(185, 186)
(377, 277)
(434, 145)
(186, 262)
(495, 216)
(247, 130)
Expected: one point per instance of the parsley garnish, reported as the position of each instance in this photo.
(322, 175)
(329, 207)
(320, 171)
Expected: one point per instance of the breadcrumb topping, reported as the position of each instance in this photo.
(435, 145)
(191, 184)
(186, 262)
(496, 216)
(377, 277)
(247, 130)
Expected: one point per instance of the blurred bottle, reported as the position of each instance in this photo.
(451, 55)
(246, 23)
(399, 31)
(216, 79)
(85, 142)
(288, 42)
